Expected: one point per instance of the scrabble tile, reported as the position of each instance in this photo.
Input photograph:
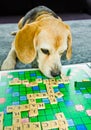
(15, 82)
(46, 125)
(33, 106)
(52, 80)
(1, 121)
(50, 91)
(12, 82)
(17, 120)
(8, 128)
(33, 112)
(53, 100)
(36, 126)
(44, 95)
(54, 124)
(1, 126)
(27, 126)
(25, 107)
(60, 116)
(39, 80)
(25, 82)
(38, 95)
(32, 100)
(29, 96)
(45, 81)
(1, 115)
(16, 114)
(41, 106)
(55, 84)
(59, 81)
(18, 127)
(10, 109)
(33, 83)
(58, 94)
(17, 108)
(62, 124)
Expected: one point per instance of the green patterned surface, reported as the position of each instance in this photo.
(76, 93)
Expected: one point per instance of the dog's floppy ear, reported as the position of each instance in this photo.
(25, 43)
(20, 23)
(69, 46)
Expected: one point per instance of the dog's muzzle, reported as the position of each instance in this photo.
(55, 73)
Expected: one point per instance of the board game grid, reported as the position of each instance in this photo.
(74, 103)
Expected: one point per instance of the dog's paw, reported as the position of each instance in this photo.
(8, 64)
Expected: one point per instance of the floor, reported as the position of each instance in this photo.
(65, 17)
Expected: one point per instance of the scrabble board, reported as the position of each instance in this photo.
(31, 101)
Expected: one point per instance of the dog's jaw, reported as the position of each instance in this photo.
(49, 72)
(50, 66)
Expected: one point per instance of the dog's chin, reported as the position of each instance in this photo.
(46, 73)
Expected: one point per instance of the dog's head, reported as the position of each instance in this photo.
(46, 39)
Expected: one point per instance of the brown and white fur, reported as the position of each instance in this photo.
(41, 35)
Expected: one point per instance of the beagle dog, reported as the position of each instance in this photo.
(43, 36)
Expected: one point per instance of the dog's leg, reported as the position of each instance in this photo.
(10, 62)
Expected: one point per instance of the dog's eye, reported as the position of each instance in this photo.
(45, 51)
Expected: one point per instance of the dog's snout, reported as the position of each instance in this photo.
(55, 73)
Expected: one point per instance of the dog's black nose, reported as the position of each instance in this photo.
(55, 73)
